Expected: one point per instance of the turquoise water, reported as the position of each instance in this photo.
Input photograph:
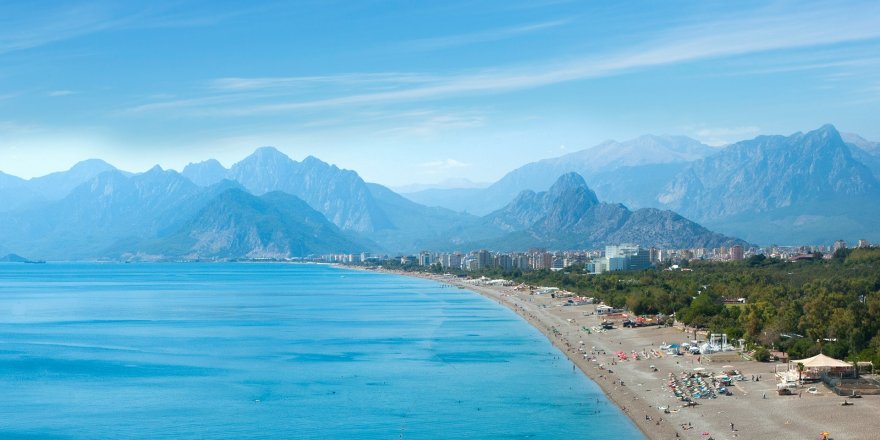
(276, 351)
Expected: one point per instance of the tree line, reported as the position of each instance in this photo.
(830, 306)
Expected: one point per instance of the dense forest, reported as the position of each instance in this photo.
(802, 307)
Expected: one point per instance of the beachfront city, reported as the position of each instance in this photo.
(613, 257)
(686, 380)
(440, 220)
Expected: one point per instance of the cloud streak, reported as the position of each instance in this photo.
(437, 43)
(20, 31)
(760, 32)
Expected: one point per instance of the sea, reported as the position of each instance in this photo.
(300, 351)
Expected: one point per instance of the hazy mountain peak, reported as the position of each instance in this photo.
(824, 135)
(568, 181)
(210, 163)
(860, 142)
(56, 186)
(829, 129)
(91, 166)
(772, 175)
(569, 216)
(157, 169)
(269, 153)
(205, 173)
(313, 162)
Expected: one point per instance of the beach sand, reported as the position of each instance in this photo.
(640, 392)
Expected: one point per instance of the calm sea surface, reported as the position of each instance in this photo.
(276, 351)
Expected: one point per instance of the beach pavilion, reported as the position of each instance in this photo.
(814, 366)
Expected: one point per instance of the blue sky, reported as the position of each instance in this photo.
(418, 92)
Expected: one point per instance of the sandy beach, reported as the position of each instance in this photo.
(753, 411)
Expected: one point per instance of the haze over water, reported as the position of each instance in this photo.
(276, 350)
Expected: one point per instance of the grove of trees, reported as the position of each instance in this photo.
(805, 307)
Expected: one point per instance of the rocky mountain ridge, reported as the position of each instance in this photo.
(570, 216)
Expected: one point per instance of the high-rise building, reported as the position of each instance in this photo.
(470, 264)
(504, 262)
(863, 244)
(484, 259)
(627, 257)
(598, 265)
(452, 261)
(839, 244)
(736, 253)
(521, 261)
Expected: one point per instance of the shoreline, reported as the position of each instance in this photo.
(652, 429)
(640, 388)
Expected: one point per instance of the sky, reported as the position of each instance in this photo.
(410, 92)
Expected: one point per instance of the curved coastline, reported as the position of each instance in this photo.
(604, 378)
(647, 418)
(640, 389)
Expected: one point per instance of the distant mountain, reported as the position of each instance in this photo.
(17, 193)
(645, 153)
(775, 189)
(341, 195)
(14, 258)
(570, 216)
(864, 151)
(115, 213)
(236, 224)
(415, 227)
(870, 147)
(100, 212)
(205, 173)
(56, 186)
(569, 197)
(377, 213)
(805, 188)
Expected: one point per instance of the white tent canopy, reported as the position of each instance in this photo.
(821, 361)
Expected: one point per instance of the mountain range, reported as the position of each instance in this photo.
(570, 215)
(772, 189)
(812, 187)
(647, 160)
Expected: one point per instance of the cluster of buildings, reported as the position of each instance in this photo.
(612, 258)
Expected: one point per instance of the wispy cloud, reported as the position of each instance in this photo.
(57, 93)
(300, 82)
(55, 25)
(758, 33)
(433, 123)
(802, 66)
(10, 127)
(20, 29)
(491, 35)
